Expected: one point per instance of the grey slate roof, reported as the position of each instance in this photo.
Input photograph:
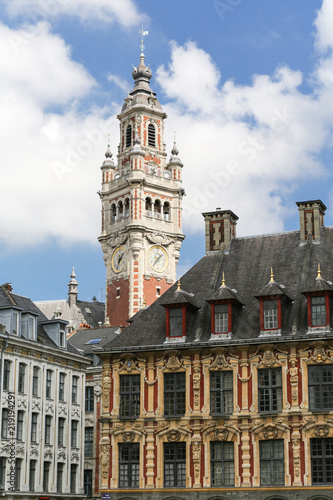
(91, 313)
(247, 267)
(80, 338)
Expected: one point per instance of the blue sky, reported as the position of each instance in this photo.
(247, 85)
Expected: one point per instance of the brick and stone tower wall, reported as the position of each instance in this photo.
(141, 206)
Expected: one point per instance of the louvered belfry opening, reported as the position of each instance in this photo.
(151, 135)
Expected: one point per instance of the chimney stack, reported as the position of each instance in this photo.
(220, 229)
(311, 218)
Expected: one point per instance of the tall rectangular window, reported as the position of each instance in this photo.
(129, 459)
(2, 472)
(34, 421)
(4, 423)
(271, 462)
(46, 476)
(322, 460)
(61, 429)
(18, 467)
(270, 389)
(270, 315)
(88, 441)
(318, 311)
(174, 394)
(174, 464)
(60, 468)
(129, 396)
(74, 434)
(222, 463)
(32, 327)
(75, 383)
(21, 377)
(221, 392)
(19, 425)
(6, 374)
(89, 402)
(320, 387)
(221, 318)
(48, 422)
(88, 482)
(176, 322)
(73, 478)
(15, 323)
(32, 475)
(61, 387)
(35, 381)
(48, 383)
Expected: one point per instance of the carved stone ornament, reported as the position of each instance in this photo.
(48, 452)
(173, 435)
(75, 411)
(268, 359)
(34, 451)
(128, 437)
(221, 434)
(270, 432)
(98, 389)
(106, 388)
(75, 456)
(62, 453)
(319, 355)
(36, 404)
(21, 401)
(196, 450)
(49, 407)
(117, 239)
(173, 362)
(62, 408)
(20, 450)
(104, 460)
(159, 239)
(321, 431)
(220, 361)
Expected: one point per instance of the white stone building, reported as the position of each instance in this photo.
(42, 404)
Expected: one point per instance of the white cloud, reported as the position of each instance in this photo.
(120, 82)
(123, 12)
(323, 23)
(50, 160)
(244, 148)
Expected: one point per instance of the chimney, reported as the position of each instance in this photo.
(220, 229)
(311, 218)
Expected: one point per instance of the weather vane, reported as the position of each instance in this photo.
(143, 34)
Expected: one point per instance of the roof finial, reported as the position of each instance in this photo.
(174, 150)
(108, 153)
(272, 276)
(223, 281)
(178, 285)
(144, 303)
(143, 34)
(319, 272)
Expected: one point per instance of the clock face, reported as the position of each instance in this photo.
(158, 258)
(118, 261)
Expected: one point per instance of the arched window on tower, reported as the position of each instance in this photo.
(120, 210)
(166, 211)
(148, 207)
(151, 135)
(113, 212)
(127, 208)
(157, 209)
(129, 136)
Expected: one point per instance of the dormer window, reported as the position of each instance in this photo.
(318, 304)
(270, 314)
(16, 318)
(318, 311)
(176, 322)
(221, 318)
(128, 136)
(62, 339)
(28, 326)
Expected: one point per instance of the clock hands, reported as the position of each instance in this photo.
(157, 258)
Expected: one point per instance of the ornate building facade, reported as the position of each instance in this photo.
(42, 395)
(223, 388)
(141, 206)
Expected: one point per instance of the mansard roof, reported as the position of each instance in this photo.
(247, 265)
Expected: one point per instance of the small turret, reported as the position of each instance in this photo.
(72, 290)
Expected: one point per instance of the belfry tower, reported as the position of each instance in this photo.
(141, 206)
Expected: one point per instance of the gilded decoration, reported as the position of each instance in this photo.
(106, 388)
(320, 352)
